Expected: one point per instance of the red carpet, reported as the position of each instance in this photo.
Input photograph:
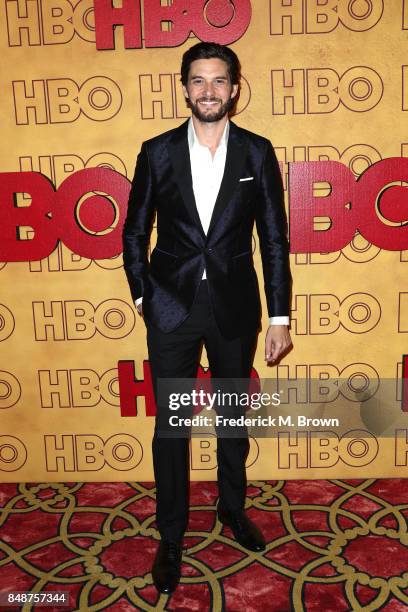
(332, 546)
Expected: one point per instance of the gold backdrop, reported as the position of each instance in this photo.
(322, 83)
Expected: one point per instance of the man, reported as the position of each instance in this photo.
(208, 181)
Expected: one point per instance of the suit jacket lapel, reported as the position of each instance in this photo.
(180, 160)
(236, 155)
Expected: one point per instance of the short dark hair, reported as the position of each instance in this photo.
(210, 50)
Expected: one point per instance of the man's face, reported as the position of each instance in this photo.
(209, 89)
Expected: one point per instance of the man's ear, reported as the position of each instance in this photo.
(185, 92)
(234, 90)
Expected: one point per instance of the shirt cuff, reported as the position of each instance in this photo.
(278, 320)
(138, 301)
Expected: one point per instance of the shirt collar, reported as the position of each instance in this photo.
(193, 140)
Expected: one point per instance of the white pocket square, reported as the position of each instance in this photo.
(248, 178)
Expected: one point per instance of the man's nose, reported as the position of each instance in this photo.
(209, 89)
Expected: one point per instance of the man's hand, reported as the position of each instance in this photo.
(277, 341)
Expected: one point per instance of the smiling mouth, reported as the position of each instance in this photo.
(208, 102)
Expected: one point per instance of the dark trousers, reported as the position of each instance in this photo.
(177, 355)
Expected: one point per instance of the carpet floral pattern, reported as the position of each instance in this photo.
(331, 545)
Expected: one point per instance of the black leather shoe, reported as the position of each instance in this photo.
(245, 531)
(167, 566)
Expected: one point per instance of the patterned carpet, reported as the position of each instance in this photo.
(332, 546)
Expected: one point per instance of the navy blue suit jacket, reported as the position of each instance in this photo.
(162, 185)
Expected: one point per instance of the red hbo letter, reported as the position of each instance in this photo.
(27, 230)
(107, 17)
(305, 207)
(89, 223)
(221, 21)
(382, 207)
(130, 388)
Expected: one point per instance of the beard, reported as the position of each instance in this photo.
(211, 116)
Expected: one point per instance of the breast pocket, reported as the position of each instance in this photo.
(247, 184)
(246, 191)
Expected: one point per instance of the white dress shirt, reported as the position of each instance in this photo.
(207, 172)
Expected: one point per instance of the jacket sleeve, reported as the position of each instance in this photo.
(271, 226)
(138, 225)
